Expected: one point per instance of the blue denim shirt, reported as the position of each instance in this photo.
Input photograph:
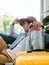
(18, 40)
(36, 42)
(18, 37)
(12, 32)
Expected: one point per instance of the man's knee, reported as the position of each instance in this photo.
(3, 44)
(5, 58)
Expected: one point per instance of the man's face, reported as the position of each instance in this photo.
(25, 26)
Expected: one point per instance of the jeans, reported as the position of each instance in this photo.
(7, 38)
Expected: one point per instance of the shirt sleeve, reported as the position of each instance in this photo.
(40, 39)
(33, 39)
(12, 33)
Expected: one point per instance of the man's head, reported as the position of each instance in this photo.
(35, 24)
(25, 22)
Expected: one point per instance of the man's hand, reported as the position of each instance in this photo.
(36, 25)
(15, 21)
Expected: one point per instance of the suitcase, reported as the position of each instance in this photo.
(32, 58)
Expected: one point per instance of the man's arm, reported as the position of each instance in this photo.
(40, 35)
(36, 34)
(11, 30)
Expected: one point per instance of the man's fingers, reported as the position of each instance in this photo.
(36, 25)
(15, 21)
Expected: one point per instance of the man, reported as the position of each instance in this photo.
(22, 42)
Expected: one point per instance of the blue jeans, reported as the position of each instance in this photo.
(7, 38)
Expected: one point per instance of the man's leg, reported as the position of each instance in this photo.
(5, 58)
(2, 64)
(3, 44)
(7, 38)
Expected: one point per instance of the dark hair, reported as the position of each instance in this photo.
(22, 21)
(31, 18)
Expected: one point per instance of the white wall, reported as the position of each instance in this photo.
(44, 9)
(46, 5)
(21, 8)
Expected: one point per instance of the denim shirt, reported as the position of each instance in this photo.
(15, 35)
(18, 40)
(36, 42)
(12, 33)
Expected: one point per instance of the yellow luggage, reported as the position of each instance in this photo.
(32, 58)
